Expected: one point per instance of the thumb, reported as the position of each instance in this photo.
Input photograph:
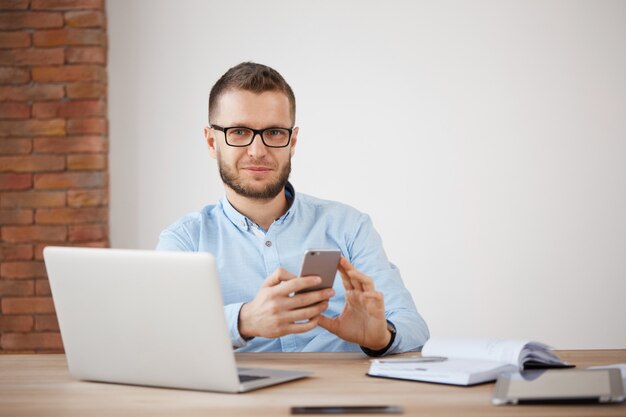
(332, 325)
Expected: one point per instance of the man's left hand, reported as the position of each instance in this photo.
(362, 320)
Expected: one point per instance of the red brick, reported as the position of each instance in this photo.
(72, 215)
(66, 4)
(22, 234)
(88, 233)
(82, 198)
(93, 125)
(16, 216)
(16, 288)
(30, 20)
(32, 199)
(46, 341)
(32, 163)
(62, 37)
(47, 322)
(46, 110)
(90, 162)
(32, 92)
(71, 144)
(15, 146)
(70, 180)
(86, 55)
(14, 75)
(85, 19)
(32, 56)
(11, 181)
(14, 4)
(69, 73)
(83, 108)
(86, 90)
(16, 323)
(28, 269)
(14, 39)
(16, 252)
(13, 110)
(26, 305)
(42, 287)
(53, 127)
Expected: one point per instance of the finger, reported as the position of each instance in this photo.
(366, 283)
(354, 280)
(345, 264)
(309, 298)
(349, 270)
(306, 313)
(277, 277)
(302, 283)
(347, 284)
(374, 295)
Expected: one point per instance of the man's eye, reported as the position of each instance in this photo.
(238, 132)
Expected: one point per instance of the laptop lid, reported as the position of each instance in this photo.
(145, 318)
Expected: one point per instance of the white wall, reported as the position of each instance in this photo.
(487, 140)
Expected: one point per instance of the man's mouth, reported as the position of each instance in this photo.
(255, 169)
(258, 168)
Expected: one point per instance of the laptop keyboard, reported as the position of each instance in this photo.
(248, 378)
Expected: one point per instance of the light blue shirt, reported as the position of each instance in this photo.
(246, 255)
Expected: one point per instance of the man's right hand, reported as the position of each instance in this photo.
(274, 313)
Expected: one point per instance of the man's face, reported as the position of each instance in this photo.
(255, 171)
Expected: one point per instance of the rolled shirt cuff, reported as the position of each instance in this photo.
(231, 312)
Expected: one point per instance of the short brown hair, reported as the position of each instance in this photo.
(253, 77)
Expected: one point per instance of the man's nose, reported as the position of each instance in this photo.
(257, 147)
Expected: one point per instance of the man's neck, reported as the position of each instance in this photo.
(262, 212)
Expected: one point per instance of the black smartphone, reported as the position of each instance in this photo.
(348, 409)
(321, 262)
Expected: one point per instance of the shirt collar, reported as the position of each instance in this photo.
(244, 223)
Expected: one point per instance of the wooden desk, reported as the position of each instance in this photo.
(40, 385)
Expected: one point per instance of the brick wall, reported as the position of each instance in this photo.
(53, 154)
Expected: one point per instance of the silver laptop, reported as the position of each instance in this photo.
(147, 318)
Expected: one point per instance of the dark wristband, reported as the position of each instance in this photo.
(381, 352)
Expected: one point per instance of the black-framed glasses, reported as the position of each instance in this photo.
(239, 136)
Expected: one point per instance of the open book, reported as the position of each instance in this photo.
(467, 361)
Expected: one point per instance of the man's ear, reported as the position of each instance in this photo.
(294, 141)
(209, 135)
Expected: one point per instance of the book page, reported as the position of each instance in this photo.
(507, 351)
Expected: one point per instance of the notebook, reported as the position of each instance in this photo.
(459, 361)
(147, 318)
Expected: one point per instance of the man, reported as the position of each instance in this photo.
(261, 229)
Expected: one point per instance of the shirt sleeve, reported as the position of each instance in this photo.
(180, 239)
(367, 255)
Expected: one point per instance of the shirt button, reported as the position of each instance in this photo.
(268, 243)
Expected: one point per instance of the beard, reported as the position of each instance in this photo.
(231, 178)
